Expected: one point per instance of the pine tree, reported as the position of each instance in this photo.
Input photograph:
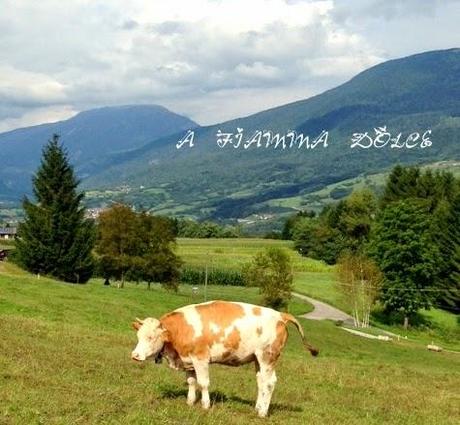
(55, 238)
(401, 184)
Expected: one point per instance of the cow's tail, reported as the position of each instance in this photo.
(290, 318)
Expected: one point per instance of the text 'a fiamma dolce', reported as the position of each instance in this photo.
(265, 139)
(261, 139)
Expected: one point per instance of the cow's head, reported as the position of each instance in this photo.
(151, 337)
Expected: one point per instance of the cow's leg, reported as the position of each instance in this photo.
(191, 381)
(202, 376)
(266, 380)
(259, 387)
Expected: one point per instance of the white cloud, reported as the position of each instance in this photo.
(401, 28)
(209, 59)
(29, 88)
(37, 116)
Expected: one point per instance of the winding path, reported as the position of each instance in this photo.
(323, 311)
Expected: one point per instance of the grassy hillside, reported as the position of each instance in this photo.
(334, 192)
(66, 360)
(405, 95)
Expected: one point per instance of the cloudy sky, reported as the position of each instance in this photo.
(211, 60)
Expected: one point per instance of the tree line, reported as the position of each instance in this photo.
(411, 233)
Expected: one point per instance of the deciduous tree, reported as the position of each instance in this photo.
(359, 281)
(137, 246)
(271, 272)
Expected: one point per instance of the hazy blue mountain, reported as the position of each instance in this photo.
(89, 136)
(411, 94)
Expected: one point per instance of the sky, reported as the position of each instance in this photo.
(211, 60)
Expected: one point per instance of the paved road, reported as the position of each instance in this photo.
(322, 310)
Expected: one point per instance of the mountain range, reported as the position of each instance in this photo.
(141, 164)
(89, 137)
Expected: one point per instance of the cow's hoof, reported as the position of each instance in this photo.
(191, 402)
(262, 413)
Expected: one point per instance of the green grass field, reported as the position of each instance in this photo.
(313, 278)
(233, 253)
(65, 359)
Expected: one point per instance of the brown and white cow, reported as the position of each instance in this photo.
(229, 333)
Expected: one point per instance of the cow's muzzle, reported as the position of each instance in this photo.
(136, 357)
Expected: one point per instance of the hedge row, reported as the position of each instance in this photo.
(215, 277)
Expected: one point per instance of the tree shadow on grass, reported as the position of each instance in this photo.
(417, 320)
(168, 392)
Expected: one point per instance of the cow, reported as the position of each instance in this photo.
(229, 333)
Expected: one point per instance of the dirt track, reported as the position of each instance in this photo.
(322, 310)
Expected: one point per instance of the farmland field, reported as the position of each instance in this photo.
(313, 278)
(65, 359)
(233, 253)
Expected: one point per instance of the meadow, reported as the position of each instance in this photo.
(315, 279)
(65, 357)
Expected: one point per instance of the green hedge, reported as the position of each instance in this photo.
(215, 277)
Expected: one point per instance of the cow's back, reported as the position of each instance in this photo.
(220, 331)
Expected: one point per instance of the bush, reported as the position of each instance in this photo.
(271, 272)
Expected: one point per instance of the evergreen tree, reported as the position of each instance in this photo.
(401, 184)
(304, 236)
(403, 248)
(427, 188)
(436, 191)
(449, 245)
(356, 219)
(55, 239)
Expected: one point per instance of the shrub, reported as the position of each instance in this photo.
(271, 272)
